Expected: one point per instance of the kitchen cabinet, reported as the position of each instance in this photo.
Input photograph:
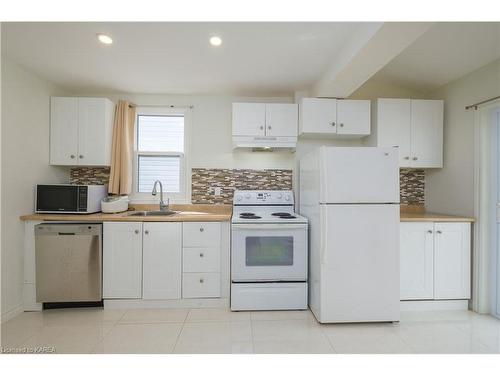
(417, 261)
(162, 259)
(414, 126)
(201, 277)
(435, 261)
(81, 131)
(451, 260)
(332, 117)
(122, 260)
(264, 124)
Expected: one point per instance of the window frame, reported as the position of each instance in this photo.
(183, 196)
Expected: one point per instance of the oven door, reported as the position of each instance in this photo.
(269, 252)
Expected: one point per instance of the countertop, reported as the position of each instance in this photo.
(188, 212)
(409, 214)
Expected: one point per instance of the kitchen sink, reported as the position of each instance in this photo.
(153, 213)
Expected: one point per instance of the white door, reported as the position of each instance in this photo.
(417, 261)
(63, 131)
(359, 175)
(427, 133)
(122, 260)
(360, 263)
(249, 119)
(318, 116)
(281, 120)
(393, 127)
(353, 117)
(162, 262)
(452, 260)
(92, 147)
(269, 252)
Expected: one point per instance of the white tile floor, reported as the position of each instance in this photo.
(222, 331)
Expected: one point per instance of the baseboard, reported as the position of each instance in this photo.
(435, 305)
(12, 313)
(166, 304)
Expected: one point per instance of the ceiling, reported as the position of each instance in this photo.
(254, 59)
(446, 52)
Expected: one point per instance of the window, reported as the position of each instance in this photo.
(160, 152)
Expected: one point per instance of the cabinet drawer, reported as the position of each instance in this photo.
(200, 285)
(201, 259)
(201, 234)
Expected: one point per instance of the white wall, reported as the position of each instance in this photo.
(24, 160)
(451, 189)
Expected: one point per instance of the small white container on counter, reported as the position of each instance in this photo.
(114, 204)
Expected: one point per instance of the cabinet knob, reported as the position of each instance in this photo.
(201, 255)
(415, 158)
(341, 125)
(201, 229)
(429, 231)
(202, 281)
(269, 127)
(146, 231)
(333, 123)
(261, 128)
(136, 231)
(72, 156)
(80, 156)
(438, 232)
(407, 158)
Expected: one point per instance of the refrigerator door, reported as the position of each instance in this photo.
(359, 262)
(359, 175)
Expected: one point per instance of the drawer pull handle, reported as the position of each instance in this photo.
(429, 231)
(201, 229)
(439, 232)
(415, 158)
(201, 281)
(201, 255)
(407, 158)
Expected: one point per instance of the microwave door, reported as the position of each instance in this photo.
(53, 198)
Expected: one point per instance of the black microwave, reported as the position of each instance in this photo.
(66, 198)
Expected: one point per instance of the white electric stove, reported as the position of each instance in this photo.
(269, 252)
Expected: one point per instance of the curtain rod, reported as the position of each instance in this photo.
(483, 102)
(161, 106)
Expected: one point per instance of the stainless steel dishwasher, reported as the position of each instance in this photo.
(68, 262)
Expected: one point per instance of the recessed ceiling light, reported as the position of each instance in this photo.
(215, 41)
(104, 39)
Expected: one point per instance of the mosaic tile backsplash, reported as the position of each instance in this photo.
(412, 182)
(412, 186)
(204, 180)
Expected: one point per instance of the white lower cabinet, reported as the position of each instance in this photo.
(435, 261)
(122, 260)
(161, 261)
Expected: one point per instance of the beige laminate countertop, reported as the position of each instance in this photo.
(188, 212)
(422, 215)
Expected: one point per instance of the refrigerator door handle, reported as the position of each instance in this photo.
(324, 236)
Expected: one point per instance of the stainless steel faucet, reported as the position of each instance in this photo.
(163, 206)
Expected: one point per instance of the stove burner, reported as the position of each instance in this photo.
(249, 215)
(288, 217)
(281, 214)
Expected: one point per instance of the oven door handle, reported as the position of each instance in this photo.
(269, 226)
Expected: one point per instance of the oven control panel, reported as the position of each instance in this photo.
(263, 197)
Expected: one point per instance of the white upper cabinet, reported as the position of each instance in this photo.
(332, 117)
(81, 131)
(415, 126)
(265, 125)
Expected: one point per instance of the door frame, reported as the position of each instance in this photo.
(484, 241)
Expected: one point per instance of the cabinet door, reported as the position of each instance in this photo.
(122, 260)
(63, 131)
(94, 131)
(318, 116)
(394, 127)
(281, 120)
(249, 119)
(416, 249)
(427, 133)
(353, 117)
(162, 264)
(452, 261)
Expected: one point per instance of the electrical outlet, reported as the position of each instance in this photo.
(217, 191)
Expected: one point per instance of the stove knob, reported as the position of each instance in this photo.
(280, 196)
(239, 198)
(247, 196)
(287, 198)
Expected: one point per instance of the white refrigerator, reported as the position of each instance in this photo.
(351, 197)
